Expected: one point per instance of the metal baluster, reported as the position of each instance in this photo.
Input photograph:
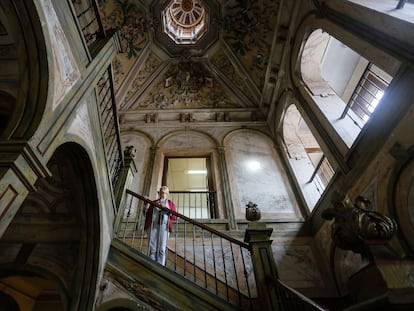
(249, 294)
(224, 268)
(235, 272)
(177, 222)
(204, 257)
(194, 258)
(185, 239)
(126, 223)
(214, 263)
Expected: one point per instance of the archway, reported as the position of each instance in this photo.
(51, 247)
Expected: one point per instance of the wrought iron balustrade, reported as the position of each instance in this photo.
(291, 300)
(87, 14)
(110, 125)
(195, 204)
(207, 257)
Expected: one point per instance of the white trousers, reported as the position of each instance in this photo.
(158, 234)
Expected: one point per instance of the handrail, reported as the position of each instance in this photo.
(110, 125)
(292, 300)
(192, 221)
(207, 257)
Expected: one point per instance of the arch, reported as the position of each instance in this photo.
(143, 143)
(359, 44)
(310, 166)
(139, 133)
(120, 304)
(29, 75)
(8, 303)
(343, 97)
(196, 132)
(66, 204)
(28, 283)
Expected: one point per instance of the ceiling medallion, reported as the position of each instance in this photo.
(185, 21)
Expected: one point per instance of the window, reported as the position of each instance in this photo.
(185, 21)
(311, 167)
(366, 95)
(344, 85)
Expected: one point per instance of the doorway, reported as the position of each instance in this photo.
(190, 182)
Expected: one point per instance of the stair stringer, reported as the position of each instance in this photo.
(156, 285)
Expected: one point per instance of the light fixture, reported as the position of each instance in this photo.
(192, 172)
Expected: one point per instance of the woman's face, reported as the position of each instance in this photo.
(164, 191)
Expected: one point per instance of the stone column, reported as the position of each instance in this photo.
(257, 235)
(228, 203)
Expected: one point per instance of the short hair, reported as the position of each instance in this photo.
(165, 188)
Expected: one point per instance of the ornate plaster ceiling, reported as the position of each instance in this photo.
(231, 67)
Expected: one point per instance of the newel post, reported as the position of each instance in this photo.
(126, 175)
(257, 235)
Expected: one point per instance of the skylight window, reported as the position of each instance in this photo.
(185, 21)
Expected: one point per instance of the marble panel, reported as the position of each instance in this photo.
(258, 176)
(297, 266)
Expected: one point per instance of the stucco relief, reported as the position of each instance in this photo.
(130, 19)
(151, 64)
(188, 85)
(223, 63)
(249, 29)
(66, 71)
(259, 177)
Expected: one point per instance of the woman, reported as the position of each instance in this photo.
(158, 224)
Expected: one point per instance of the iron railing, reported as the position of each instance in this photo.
(291, 300)
(322, 174)
(87, 14)
(110, 125)
(207, 257)
(195, 204)
(366, 96)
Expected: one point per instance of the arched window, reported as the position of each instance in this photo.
(345, 86)
(311, 167)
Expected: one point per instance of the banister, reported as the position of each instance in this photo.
(307, 304)
(201, 254)
(192, 221)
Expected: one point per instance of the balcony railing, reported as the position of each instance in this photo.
(195, 204)
(207, 257)
(291, 300)
(87, 14)
(110, 125)
(322, 175)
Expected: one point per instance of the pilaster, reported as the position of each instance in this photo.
(228, 203)
(20, 168)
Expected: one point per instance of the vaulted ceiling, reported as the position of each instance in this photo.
(233, 66)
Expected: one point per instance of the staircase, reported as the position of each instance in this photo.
(158, 286)
(205, 269)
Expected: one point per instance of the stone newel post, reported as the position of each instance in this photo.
(257, 235)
